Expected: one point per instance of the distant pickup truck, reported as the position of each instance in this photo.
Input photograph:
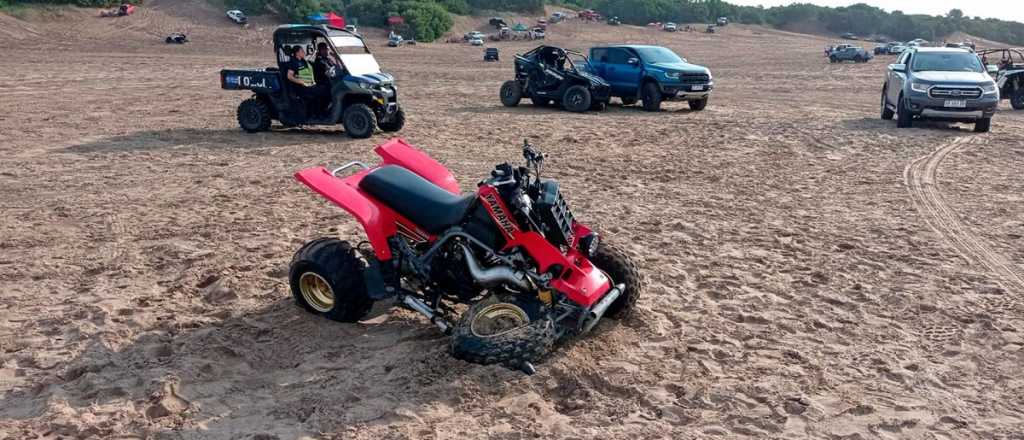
(850, 53)
(651, 74)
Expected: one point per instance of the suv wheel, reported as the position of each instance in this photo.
(1017, 99)
(983, 125)
(511, 93)
(651, 96)
(359, 121)
(904, 119)
(887, 114)
(576, 99)
(698, 104)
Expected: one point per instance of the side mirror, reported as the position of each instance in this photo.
(898, 67)
(633, 61)
(992, 69)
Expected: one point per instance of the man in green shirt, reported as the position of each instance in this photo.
(300, 74)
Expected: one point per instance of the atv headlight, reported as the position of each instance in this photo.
(990, 89)
(920, 87)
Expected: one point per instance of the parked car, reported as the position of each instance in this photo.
(497, 22)
(1007, 66)
(722, 21)
(238, 16)
(939, 83)
(552, 75)
(538, 33)
(850, 53)
(651, 74)
(176, 38)
(670, 27)
(710, 29)
(897, 49)
(491, 54)
(473, 36)
(848, 36)
(614, 21)
(395, 40)
(476, 42)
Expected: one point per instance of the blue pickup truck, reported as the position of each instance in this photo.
(651, 74)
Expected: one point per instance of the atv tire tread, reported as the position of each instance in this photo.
(526, 344)
(337, 262)
(257, 105)
(622, 270)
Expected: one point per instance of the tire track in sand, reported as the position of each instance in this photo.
(920, 178)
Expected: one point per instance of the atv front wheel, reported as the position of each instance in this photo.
(506, 330)
(511, 93)
(396, 123)
(1017, 99)
(698, 104)
(652, 97)
(254, 115)
(622, 270)
(359, 121)
(326, 279)
(576, 99)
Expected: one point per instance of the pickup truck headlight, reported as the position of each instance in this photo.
(990, 89)
(672, 75)
(919, 87)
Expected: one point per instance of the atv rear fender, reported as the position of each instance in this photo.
(397, 152)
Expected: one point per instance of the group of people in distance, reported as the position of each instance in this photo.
(310, 80)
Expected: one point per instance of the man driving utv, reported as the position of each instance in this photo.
(300, 72)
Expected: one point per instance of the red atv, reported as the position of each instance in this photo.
(529, 271)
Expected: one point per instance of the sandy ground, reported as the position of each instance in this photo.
(814, 272)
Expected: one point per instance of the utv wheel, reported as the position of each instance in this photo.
(1017, 99)
(698, 104)
(326, 279)
(628, 100)
(622, 270)
(359, 121)
(904, 119)
(576, 99)
(541, 102)
(983, 125)
(511, 93)
(651, 96)
(887, 114)
(254, 115)
(504, 330)
(396, 123)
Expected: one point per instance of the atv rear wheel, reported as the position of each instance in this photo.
(254, 115)
(1017, 99)
(511, 93)
(396, 123)
(508, 330)
(698, 104)
(576, 99)
(651, 95)
(620, 267)
(326, 279)
(359, 121)
(628, 100)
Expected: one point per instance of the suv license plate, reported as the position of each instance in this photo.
(956, 103)
(696, 88)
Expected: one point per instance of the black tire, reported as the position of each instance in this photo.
(168, 40)
(541, 102)
(598, 106)
(832, 60)
(528, 343)
(576, 99)
(628, 100)
(335, 263)
(983, 125)
(359, 121)
(651, 96)
(698, 104)
(621, 269)
(511, 93)
(254, 115)
(396, 123)
(904, 119)
(887, 113)
(1017, 99)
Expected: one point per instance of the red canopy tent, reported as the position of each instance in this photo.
(335, 20)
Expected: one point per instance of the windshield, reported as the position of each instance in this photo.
(656, 55)
(947, 62)
(347, 44)
(360, 64)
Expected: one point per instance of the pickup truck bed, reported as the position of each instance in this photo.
(261, 80)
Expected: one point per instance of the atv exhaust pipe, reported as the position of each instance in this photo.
(599, 309)
(425, 310)
(494, 276)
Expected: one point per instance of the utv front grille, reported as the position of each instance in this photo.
(694, 78)
(554, 214)
(943, 92)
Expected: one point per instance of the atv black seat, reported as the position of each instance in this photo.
(416, 198)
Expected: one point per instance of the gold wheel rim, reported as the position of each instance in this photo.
(498, 319)
(316, 291)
